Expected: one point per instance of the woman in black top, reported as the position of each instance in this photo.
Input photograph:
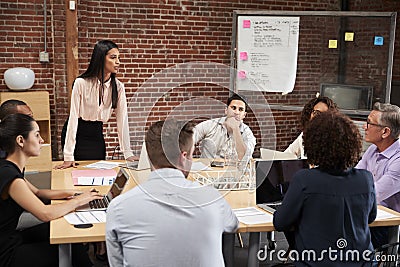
(20, 138)
(330, 206)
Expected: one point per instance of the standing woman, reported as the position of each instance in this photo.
(20, 139)
(95, 94)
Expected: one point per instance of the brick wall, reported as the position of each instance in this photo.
(155, 36)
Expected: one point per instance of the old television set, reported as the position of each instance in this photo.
(346, 96)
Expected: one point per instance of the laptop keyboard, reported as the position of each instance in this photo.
(99, 203)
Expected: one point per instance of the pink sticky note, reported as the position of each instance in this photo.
(243, 55)
(246, 23)
(242, 74)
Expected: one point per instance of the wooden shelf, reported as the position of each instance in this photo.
(38, 101)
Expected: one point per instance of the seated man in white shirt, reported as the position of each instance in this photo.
(227, 135)
(168, 220)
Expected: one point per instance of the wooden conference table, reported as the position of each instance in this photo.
(64, 234)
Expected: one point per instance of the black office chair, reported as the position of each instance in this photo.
(385, 256)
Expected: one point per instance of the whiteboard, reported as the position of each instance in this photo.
(266, 53)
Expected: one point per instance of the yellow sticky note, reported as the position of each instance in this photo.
(349, 36)
(332, 44)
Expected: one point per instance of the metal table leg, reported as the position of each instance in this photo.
(64, 255)
(254, 247)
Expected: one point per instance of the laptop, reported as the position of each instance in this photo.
(143, 162)
(115, 190)
(273, 178)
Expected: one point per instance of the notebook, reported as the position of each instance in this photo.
(273, 178)
(115, 190)
(143, 162)
(93, 177)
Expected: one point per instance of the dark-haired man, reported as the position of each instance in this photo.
(382, 159)
(168, 220)
(228, 134)
(13, 106)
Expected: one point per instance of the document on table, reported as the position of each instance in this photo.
(93, 177)
(381, 214)
(199, 166)
(253, 216)
(103, 165)
(82, 217)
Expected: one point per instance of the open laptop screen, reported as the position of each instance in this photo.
(273, 178)
(118, 185)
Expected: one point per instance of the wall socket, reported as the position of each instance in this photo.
(44, 57)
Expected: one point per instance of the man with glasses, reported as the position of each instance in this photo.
(227, 135)
(382, 159)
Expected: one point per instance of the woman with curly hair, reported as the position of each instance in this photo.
(312, 108)
(330, 205)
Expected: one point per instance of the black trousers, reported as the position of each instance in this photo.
(36, 250)
(90, 144)
(379, 236)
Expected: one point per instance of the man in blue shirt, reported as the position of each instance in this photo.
(382, 159)
(168, 220)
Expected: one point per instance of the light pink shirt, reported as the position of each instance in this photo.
(85, 105)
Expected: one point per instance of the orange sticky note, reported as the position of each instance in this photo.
(246, 23)
(243, 55)
(332, 44)
(242, 74)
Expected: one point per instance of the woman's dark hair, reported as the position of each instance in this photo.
(96, 68)
(332, 141)
(12, 126)
(309, 107)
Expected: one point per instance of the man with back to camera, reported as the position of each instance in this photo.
(382, 159)
(168, 220)
(216, 135)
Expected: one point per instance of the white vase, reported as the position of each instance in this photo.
(19, 79)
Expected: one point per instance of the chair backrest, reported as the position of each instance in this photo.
(385, 256)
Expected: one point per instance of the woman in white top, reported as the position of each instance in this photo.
(312, 108)
(95, 94)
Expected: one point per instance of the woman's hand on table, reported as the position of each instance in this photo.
(87, 196)
(66, 165)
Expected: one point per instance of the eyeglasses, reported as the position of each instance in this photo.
(375, 124)
(316, 112)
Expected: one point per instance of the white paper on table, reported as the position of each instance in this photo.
(82, 217)
(106, 180)
(199, 166)
(253, 216)
(381, 214)
(103, 164)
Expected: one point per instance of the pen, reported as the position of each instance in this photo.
(76, 214)
(94, 216)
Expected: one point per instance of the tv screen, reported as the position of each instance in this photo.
(355, 97)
